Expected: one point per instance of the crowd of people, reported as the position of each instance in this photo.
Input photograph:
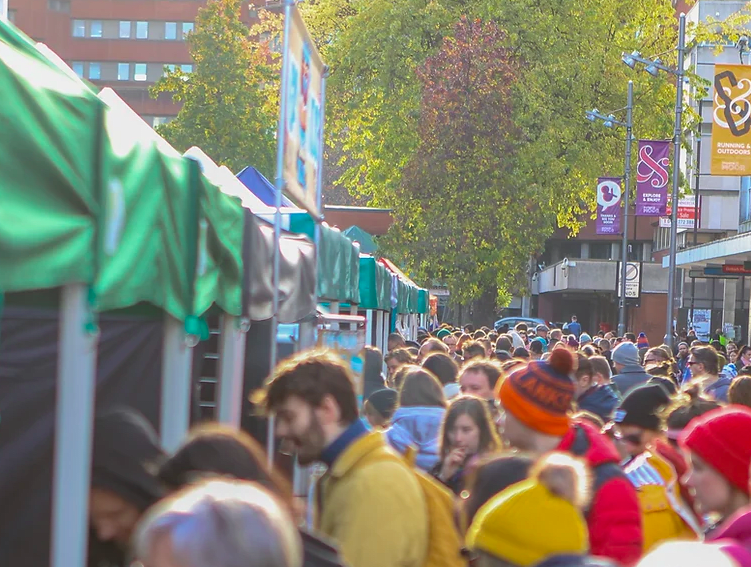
(513, 447)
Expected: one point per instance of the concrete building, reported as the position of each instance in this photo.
(577, 276)
(125, 45)
(725, 204)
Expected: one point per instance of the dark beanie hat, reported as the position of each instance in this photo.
(384, 401)
(126, 454)
(641, 407)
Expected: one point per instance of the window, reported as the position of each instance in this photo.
(79, 28)
(169, 69)
(159, 120)
(59, 5)
(745, 200)
(12, 16)
(187, 28)
(96, 28)
(78, 68)
(170, 30)
(600, 250)
(95, 71)
(123, 71)
(186, 68)
(125, 30)
(142, 30)
(140, 72)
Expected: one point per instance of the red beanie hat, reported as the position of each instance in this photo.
(722, 438)
(541, 394)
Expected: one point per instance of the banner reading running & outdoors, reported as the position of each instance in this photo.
(731, 121)
(304, 116)
(609, 194)
(652, 178)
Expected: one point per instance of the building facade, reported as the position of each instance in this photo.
(122, 44)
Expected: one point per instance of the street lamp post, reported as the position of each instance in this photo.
(653, 67)
(610, 121)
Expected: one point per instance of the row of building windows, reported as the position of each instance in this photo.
(142, 72)
(122, 29)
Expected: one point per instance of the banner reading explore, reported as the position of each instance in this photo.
(652, 178)
(731, 121)
(609, 194)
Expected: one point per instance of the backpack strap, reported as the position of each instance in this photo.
(603, 472)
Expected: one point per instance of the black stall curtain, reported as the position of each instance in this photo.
(128, 374)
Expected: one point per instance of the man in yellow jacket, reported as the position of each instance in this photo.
(370, 504)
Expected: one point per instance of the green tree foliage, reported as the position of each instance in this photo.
(230, 100)
(568, 56)
(463, 218)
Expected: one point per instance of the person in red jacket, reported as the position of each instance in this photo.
(537, 400)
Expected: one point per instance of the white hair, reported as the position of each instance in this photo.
(222, 523)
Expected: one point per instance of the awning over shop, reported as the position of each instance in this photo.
(375, 285)
(732, 250)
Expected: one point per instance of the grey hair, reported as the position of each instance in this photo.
(222, 523)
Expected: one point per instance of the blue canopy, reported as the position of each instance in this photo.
(261, 187)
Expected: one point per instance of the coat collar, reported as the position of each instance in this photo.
(356, 451)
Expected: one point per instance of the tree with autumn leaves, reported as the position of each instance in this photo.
(465, 218)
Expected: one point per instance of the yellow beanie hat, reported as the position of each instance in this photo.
(537, 518)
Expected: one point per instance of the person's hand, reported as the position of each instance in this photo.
(452, 463)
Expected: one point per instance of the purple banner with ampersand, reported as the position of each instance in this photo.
(652, 178)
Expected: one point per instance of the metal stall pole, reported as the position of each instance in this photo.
(74, 425)
(177, 360)
(231, 370)
(279, 185)
(676, 179)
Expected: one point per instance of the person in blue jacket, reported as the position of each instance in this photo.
(574, 327)
(417, 421)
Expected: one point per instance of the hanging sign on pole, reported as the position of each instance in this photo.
(609, 195)
(731, 121)
(302, 124)
(652, 178)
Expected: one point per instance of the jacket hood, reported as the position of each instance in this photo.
(600, 400)
(586, 441)
(419, 427)
(736, 528)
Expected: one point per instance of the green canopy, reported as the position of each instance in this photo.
(423, 301)
(50, 139)
(338, 267)
(375, 285)
(367, 243)
(167, 229)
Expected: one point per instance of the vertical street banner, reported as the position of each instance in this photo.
(652, 178)
(609, 195)
(303, 118)
(731, 121)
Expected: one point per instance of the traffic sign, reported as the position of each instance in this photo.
(633, 280)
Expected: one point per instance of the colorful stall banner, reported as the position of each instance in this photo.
(652, 178)
(731, 121)
(609, 194)
(303, 122)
